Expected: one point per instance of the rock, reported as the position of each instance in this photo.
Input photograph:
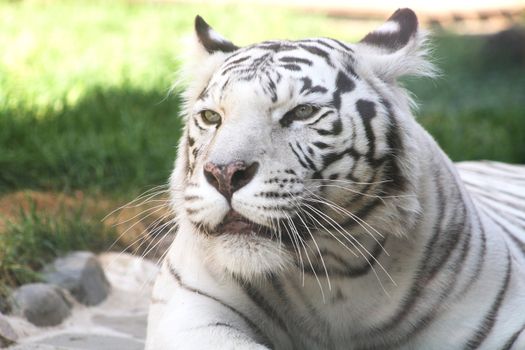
(129, 272)
(134, 325)
(41, 304)
(33, 346)
(7, 333)
(92, 341)
(81, 274)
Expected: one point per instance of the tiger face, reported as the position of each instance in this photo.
(287, 141)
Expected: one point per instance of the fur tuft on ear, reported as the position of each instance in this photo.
(210, 39)
(397, 48)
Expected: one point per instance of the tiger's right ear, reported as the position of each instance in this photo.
(210, 40)
(397, 48)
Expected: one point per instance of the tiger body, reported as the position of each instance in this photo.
(364, 234)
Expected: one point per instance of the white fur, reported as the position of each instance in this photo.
(198, 301)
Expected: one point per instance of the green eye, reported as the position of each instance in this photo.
(304, 111)
(210, 117)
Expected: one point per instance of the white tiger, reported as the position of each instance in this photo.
(314, 212)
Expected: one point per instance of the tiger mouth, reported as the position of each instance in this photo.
(235, 223)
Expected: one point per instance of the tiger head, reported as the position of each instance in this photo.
(285, 140)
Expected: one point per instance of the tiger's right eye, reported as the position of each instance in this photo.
(210, 117)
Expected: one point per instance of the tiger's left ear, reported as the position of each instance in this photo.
(210, 40)
(397, 47)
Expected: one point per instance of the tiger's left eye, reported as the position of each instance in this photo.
(211, 117)
(304, 111)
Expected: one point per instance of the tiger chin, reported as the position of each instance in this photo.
(314, 212)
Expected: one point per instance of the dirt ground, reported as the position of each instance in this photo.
(133, 222)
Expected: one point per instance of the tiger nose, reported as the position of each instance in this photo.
(230, 177)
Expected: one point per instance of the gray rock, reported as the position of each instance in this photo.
(7, 333)
(41, 304)
(134, 326)
(93, 341)
(81, 274)
(34, 346)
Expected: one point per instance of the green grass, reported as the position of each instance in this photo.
(84, 104)
(476, 108)
(83, 87)
(36, 238)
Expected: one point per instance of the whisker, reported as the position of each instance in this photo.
(327, 218)
(139, 214)
(345, 211)
(304, 244)
(318, 250)
(132, 203)
(129, 228)
(295, 245)
(349, 181)
(364, 194)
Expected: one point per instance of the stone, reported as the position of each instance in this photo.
(81, 274)
(34, 346)
(7, 333)
(133, 325)
(41, 304)
(92, 341)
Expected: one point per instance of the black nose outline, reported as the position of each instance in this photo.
(230, 177)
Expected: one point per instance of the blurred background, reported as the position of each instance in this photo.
(87, 121)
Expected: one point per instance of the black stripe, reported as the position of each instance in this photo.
(191, 197)
(449, 242)
(336, 128)
(259, 300)
(324, 115)
(197, 124)
(303, 164)
(320, 41)
(318, 52)
(276, 46)
(367, 111)
(419, 280)
(508, 345)
(481, 256)
(321, 145)
(292, 67)
(349, 271)
(490, 318)
(295, 60)
(219, 324)
(309, 89)
(445, 292)
(231, 65)
(250, 323)
(395, 144)
(310, 162)
(516, 240)
(320, 332)
(343, 83)
(341, 44)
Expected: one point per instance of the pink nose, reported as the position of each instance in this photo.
(230, 177)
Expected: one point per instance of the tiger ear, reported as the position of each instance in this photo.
(395, 33)
(210, 40)
(397, 47)
(203, 53)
